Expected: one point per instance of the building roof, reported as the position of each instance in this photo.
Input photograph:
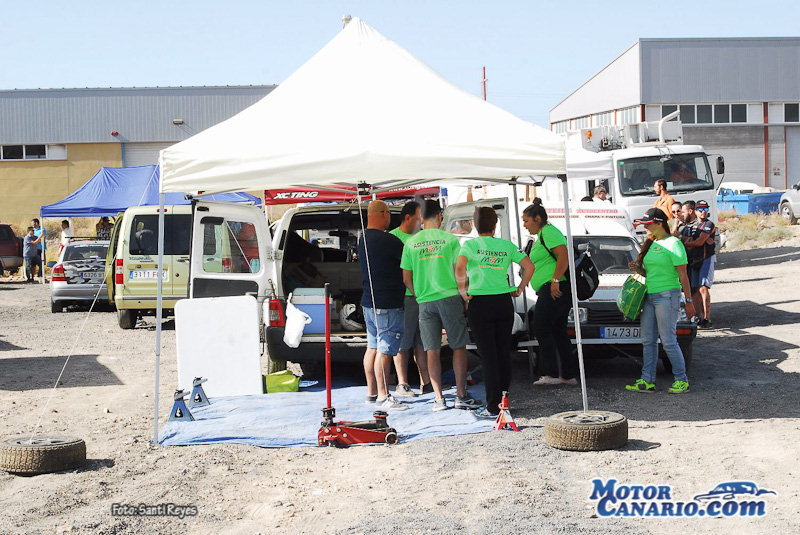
(138, 114)
(690, 70)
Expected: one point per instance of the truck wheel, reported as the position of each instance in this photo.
(788, 215)
(586, 431)
(41, 455)
(275, 365)
(55, 307)
(126, 318)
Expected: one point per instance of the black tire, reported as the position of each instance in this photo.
(41, 455)
(391, 437)
(788, 214)
(275, 365)
(687, 351)
(589, 431)
(55, 307)
(126, 318)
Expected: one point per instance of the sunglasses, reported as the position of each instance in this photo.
(702, 209)
(677, 211)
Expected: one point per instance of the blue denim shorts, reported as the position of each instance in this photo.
(390, 324)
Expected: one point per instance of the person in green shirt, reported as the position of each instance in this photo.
(663, 261)
(482, 275)
(428, 264)
(411, 341)
(553, 298)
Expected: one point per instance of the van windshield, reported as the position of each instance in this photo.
(682, 172)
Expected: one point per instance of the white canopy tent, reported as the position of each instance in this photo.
(362, 110)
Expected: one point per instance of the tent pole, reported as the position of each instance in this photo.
(519, 243)
(159, 309)
(574, 291)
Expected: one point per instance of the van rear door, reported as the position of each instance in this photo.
(231, 251)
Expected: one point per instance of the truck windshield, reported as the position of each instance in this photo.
(610, 254)
(682, 172)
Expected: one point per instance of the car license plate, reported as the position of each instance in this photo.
(93, 274)
(620, 332)
(147, 274)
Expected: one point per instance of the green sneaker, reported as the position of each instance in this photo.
(679, 387)
(641, 386)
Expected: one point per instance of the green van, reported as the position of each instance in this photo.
(132, 284)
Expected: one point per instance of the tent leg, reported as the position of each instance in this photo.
(159, 309)
(574, 291)
(519, 244)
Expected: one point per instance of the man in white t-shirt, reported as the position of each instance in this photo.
(66, 234)
(600, 195)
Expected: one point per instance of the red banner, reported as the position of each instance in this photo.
(298, 195)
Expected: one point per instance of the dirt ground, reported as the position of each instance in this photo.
(741, 421)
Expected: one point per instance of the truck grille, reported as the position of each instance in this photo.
(606, 316)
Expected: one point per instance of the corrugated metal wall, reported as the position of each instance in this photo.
(793, 155)
(138, 114)
(742, 147)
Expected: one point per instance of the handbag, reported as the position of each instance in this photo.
(631, 296)
(586, 274)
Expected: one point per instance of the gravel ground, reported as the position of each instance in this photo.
(741, 421)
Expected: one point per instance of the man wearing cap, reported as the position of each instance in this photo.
(700, 248)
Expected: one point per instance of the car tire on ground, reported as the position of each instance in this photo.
(687, 351)
(126, 318)
(56, 307)
(586, 431)
(788, 214)
(41, 455)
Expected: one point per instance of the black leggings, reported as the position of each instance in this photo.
(491, 319)
(550, 329)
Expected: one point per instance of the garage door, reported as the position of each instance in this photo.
(143, 153)
(792, 155)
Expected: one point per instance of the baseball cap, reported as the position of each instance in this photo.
(701, 204)
(653, 215)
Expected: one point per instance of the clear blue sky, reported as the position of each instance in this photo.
(535, 52)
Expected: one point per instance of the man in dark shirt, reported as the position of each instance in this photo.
(700, 248)
(384, 291)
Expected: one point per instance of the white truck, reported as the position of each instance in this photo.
(629, 159)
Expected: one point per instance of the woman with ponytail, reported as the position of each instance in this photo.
(553, 298)
(662, 261)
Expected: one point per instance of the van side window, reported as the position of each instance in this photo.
(230, 247)
(143, 239)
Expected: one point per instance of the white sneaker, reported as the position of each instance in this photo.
(390, 404)
(439, 405)
(547, 380)
(404, 391)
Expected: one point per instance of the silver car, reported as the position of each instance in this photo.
(790, 204)
(79, 275)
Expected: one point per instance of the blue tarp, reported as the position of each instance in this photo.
(113, 189)
(749, 203)
(293, 419)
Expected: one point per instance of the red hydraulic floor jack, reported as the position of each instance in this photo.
(342, 434)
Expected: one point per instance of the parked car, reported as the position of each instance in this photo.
(10, 250)
(733, 489)
(78, 276)
(789, 205)
(132, 283)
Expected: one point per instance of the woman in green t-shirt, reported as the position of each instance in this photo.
(553, 298)
(482, 275)
(663, 261)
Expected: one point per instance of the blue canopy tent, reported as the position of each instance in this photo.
(113, 189)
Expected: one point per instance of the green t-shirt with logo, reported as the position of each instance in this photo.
(488, 259)
(430, 255)
(403, 237)
(543, 261)
(660, 262)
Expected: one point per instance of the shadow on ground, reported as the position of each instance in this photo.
(31, 373)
